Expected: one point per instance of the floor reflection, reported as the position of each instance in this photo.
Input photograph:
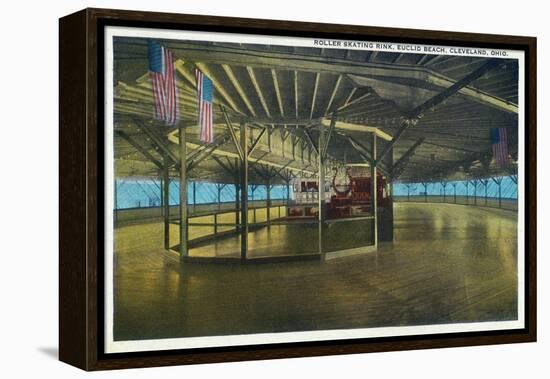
(448, 263)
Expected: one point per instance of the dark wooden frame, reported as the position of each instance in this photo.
(81, 189)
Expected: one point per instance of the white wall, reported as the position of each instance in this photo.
(28, 151)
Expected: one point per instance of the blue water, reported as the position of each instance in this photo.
(142, 193)
(509, 189)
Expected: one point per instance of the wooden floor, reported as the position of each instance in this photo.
(448, 263)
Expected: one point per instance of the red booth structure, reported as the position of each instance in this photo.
(351, 199)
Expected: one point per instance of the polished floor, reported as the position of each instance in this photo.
(448, 263)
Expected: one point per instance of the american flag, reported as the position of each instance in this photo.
(163, 82)
(205, 92)
(499, 142)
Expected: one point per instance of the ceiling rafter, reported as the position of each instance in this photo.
(237, 85)
(258, 90)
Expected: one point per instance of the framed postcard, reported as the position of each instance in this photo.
(237, 189)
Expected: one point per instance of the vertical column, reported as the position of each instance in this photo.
(219, 188)
(237, 195)
(116, 202)
(287, 193)
(386, 227)
(194, 196)
(183, 192)
(268, 199)
(321, 197)
(252, 191)
(166, 201)
(425, 192)
(500, 193)
(454, 192)
(374, 191)
(244, 192)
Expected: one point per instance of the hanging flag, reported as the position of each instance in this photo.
(163, 82)
(499, 143)
(205, 91)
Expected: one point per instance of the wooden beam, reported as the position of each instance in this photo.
(244, 193)
(296, 91)
(207, 152)
(233, 135)
(183, 194)
(333, 94)
(188, 74)
(340, 125)
(258, 159)
(437, 99)
(307, 63)
(329, 134)
(258, 89)
(166, 202)
(457, 86)
(139, 148)
(399, 166)
(354, 101)
(314, 96)
(223, 165)
(310, 140)
(372, 56)
(219, 87)
(351, 93)
(321, 197)
(255, 143)
(238, 87)
(277, 92)
(157, 140)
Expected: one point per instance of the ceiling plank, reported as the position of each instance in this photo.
(258, 89)
(278, 92)
(333, 94)
(314, 96)
(237, 85)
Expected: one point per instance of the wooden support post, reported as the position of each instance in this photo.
(467, 194)
(268, 200)
(475, 182)
(237, 195)
(500, 193)
(374, 192)
(252, 191)
(499, 183)
(485, 182)
(116, 201)
(244, 193)
(321, 199)
(287, 193)
(194, 196)
(444, 185)
(218, 198)
(408, 193)
(183, 193)
(454, 187)
(425, 192)
(166, 201)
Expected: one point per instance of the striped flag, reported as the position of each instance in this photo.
(163, 82)
(205, 92)
(499, 143)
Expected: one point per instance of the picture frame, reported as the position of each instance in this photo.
(83, 194)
